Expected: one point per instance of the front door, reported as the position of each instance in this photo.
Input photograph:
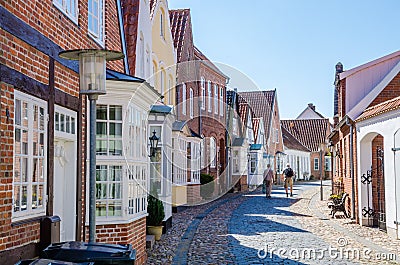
(65, 187)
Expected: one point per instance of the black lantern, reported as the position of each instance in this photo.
(153, 144)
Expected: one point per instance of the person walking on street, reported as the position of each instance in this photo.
(288, 174)
(268, 180)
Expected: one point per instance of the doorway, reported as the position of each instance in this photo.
(65, 187)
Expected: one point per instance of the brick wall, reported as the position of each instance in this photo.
(30, 56)
(391, 91)
(132, 233)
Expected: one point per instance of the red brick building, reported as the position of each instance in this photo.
(42, 123)
(201, 95)
(358, 95)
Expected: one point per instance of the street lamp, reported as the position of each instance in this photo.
(321, 149)
(153, 144)
(92, 79)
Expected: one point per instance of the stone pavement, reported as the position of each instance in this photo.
(250, 229)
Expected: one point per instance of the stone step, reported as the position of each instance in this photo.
(150, 240)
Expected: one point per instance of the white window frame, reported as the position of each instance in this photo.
(221, 101)
(209, 96)
(216, 88)
(97, 33)
(235, 162)
(108, 137)
(328, 163)
(191, 102)
(203, 93)
(69, 8)
(253, 163)
(162, 31)
(184, 99)
(316, 164)
(27, 124)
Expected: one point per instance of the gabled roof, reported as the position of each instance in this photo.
(179, 22)
(290, 142)
(201, 57)
(114, 75)
(379, 109)
(238, 141)
(310, 113)
(243, 112)
(261, 104)
(311, 133)
(153, 4)
(161, 109)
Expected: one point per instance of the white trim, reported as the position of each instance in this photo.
(357, 110)
(63, 9)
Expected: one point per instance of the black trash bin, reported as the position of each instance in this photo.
(49, 262)
(99, 253)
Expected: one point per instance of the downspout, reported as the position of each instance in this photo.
(353, 192)
(122, 34)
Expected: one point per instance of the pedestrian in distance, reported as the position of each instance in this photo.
(268, 180)
(288, 174)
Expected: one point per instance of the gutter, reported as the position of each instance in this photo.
(353, 192)
(122, 34)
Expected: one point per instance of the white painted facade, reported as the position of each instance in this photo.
(387, 125)
(144, 43)
(299, 161)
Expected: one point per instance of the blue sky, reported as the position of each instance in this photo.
(293, 45)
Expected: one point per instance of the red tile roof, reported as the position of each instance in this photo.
(311, 133)
(261, 103)
(201, 57)
(256, 124)
(243, 109)
(153, 4)
(179, 21)
(379, 109)
(290, 142)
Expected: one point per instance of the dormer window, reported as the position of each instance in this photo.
(96, 20)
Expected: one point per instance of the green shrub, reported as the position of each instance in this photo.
(155, 209)
(207, 185)
(312, 177)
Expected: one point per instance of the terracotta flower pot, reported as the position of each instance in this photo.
(156, 231)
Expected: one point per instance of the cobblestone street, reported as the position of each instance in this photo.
(251, 229)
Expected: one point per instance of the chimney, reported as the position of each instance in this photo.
(339, 69)
(311, 106)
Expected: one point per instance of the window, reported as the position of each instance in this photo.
(108, 190)
(64, 123)
(30, 149)
(213, 152)
(191, 103)
(253, 162)
(96, 19)
(235, 161)
(221, 101)
(203, 93)
(209, 96)
(316, 164)
(328, 163)
(155, 172)
(216, 99)
(162, 82)
(136, 189)
(162, 24)
(109, 130)
(183, 99)
(136, 132)
(69, 8)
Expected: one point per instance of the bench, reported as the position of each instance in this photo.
(339, 205)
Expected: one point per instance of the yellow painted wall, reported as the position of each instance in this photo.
(164, 53)
(179, 195)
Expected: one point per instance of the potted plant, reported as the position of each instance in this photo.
(207, 186)
(155, 209)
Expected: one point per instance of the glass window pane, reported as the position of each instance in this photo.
(67, 124)
(34, 196)
(72, 125)
(115, 147)
(24, 171)
(101, 112)
(101, 209)
(114, 209)
(41, 118)
(115, 173)
(101, 129)
(57, 121)
(115, 130)
(17, 114)
(17, 169)
(101, 147)
(24, 205)
(62, 122)
(116, 113)
(25, 114)
(101, 173)
(41, 192)
(101, 190)
(35, 167)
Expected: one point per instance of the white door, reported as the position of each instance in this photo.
(65, 187)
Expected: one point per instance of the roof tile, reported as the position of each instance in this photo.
(379, 109)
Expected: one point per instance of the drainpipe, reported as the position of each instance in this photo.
(353, 192)
(122, 34)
